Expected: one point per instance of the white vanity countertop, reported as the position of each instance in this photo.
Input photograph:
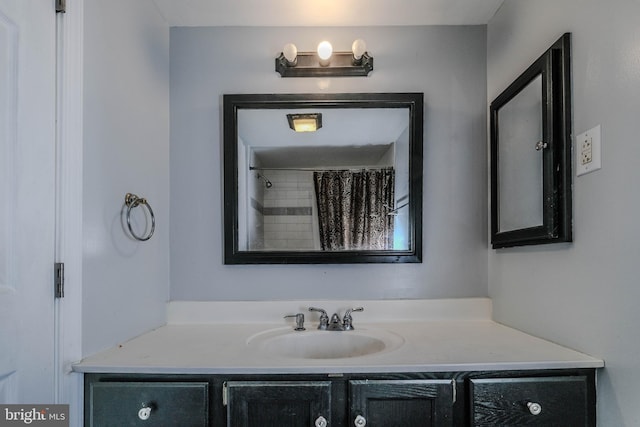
(455, 335)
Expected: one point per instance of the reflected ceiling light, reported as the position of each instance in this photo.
(324, 62)
(305, 122)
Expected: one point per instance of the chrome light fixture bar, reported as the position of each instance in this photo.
(324, 62)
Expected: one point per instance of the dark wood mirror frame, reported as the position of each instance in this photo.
(233, 102)
(555, 68)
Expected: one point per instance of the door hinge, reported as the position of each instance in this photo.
(61, 6)
(225, 394)
(58, 279)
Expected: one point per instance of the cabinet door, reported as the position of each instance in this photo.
(278, 403)
(158, 404)
(544, 402)
(401, 403)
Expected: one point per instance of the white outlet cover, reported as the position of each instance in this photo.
(592, 136)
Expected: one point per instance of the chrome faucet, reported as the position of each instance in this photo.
(346, 324)
(336, 323)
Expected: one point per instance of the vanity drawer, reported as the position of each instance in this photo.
(540, 401)
(176, 404)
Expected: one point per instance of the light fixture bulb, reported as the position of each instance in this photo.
(359, 47)
(305, 125)
(324, 52)
(290, 52)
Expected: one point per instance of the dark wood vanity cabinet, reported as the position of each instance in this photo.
(386, 402)
(405, 403)
(488, 398)
(523, 401)
(146, 403)
(277, 403)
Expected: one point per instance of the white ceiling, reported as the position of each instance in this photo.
(340, 126)
(348, 137)
(284, 13)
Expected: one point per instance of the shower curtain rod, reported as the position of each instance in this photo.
(254, 168)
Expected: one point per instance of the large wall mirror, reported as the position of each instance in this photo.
(348, 192)
(531, 154)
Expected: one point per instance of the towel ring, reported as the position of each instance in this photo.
(132, 201)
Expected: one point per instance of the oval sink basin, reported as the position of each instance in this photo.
(324, 344)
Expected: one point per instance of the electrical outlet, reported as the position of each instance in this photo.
(588, 149)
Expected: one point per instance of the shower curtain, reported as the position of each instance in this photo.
(353, 209)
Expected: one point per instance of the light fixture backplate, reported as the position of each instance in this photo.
(342, 64)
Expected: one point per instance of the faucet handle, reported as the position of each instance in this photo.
(348, 320)
(324, 319)
(299, 321)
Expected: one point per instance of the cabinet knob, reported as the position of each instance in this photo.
(144, 413)
(534, 408)
(360, 421)
(321, 421)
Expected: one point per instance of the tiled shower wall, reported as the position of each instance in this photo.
(288, 211)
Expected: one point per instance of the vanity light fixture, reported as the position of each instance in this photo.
(324, 53)
(324, 62)
(305, 122)
(290, 53)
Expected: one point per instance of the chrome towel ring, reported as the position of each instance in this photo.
(132, 201)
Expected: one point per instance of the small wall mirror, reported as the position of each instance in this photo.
(531, 154)
(348, 192)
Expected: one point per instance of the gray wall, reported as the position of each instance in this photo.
(584, 295)
(126, 149)
(446, 63)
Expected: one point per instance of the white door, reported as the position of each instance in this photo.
(27, 200)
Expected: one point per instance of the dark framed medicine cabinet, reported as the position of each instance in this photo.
(361, 133)
(530, 131)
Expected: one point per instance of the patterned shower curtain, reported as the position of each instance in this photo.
(353, 209)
